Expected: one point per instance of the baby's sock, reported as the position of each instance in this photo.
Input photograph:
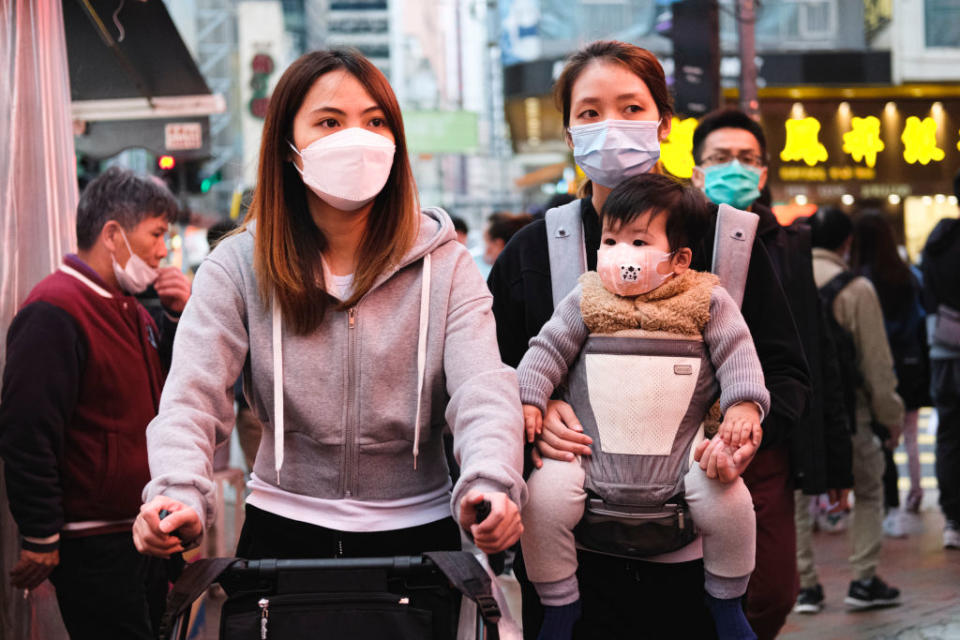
(558, 621)
(729, 619)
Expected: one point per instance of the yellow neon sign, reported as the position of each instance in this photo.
(920, 141)
(802, 142)
(863, 140)
(676, 152)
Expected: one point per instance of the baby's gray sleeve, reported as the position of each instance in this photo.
(733, 354)
(551, 351)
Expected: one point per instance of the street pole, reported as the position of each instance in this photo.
(746, 19)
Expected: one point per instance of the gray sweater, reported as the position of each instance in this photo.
(725, 334)
(350, 387)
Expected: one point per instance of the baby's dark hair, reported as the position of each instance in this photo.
(687, 211)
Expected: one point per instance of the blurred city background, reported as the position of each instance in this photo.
(859, 99)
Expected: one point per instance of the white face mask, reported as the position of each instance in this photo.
(611, 151)
(137, 275)
(347, 169)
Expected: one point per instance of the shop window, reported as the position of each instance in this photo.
(941, 23)
(920, 215)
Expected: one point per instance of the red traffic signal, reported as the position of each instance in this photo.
(166, 162)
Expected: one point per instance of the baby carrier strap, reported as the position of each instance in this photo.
(566, 248)
(732, 246)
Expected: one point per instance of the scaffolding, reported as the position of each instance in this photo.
(216, 46)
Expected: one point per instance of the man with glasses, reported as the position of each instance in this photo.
(730, 152)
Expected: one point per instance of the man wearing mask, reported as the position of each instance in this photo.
(82, 381)
(729, 149)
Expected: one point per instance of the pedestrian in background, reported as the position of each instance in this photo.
(857, 311)
(361, 327)
(941, 287)
(874, 255)
(501, 225)
(82, 381)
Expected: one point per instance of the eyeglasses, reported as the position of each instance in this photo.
(744, 157)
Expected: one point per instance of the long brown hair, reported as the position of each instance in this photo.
(638, 60)
(287, 243)
(873, 253)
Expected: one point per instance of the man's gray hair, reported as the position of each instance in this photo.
(121, 195)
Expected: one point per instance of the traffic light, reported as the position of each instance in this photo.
(207, 183)
(166, 163)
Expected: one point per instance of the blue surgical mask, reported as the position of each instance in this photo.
(611, 151)
(732, 183)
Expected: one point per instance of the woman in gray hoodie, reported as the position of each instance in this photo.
(362, 328)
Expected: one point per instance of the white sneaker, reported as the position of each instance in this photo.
(893, 525)
(951, 536)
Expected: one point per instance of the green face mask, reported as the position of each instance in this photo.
(732, 183)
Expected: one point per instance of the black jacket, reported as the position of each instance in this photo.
(523, 302)
(941, 266)
(820, 446)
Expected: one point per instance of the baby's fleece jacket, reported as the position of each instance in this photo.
(691, 304)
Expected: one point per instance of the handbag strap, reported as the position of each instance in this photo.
(470, 579)
(195, 579)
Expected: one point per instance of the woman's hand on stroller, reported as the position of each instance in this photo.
(500, 530)
(561, 436)
(178, 529)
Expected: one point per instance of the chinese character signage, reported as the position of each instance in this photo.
(868, 148)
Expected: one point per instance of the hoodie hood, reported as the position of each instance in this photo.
(436, 229)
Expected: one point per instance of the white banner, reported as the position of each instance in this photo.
(263, 56)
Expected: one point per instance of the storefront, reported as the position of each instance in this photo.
(893, 148)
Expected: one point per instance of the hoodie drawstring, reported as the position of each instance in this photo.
(422, 352)
(277, 389)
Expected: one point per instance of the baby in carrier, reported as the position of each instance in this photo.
(602, 343)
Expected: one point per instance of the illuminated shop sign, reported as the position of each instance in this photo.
(826, 143)
(868, 148)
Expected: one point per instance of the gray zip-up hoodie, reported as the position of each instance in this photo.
(350, 387)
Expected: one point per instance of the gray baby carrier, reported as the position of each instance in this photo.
(642, 398)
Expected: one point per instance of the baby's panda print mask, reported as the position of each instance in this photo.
(627, 270)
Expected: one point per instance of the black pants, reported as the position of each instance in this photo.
(891, 481)
(629, 599)
(945, 389)
(106, 589)
(266, 535)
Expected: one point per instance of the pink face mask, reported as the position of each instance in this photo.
(627, 270)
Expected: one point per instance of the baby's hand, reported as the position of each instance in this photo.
(532, 421)
(741, 424)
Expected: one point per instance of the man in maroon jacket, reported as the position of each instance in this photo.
(82, 381)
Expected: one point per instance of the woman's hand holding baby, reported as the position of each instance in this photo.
(727, 455)
(562, 437)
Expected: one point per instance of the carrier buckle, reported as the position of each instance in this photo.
(489, 608)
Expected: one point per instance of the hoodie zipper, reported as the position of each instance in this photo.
(350, 427)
